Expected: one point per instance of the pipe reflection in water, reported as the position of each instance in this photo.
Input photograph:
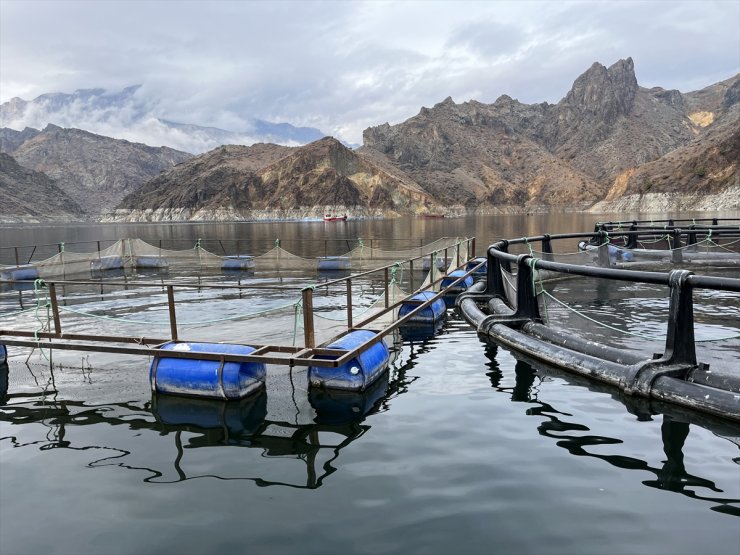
(675, 428)
(4, 377)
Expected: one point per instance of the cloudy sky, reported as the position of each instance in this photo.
(344, 66)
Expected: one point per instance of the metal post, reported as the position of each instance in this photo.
(494, 278)
(55, 309)
(445, 264)
(676, 252)
(349, 303)
(526, 292)
(385, 286)
(547, 248)
(411, 275)
(17, 261)
(307, 296)
(679, 346)
(472, 248)
(604, 250)
(171, 307)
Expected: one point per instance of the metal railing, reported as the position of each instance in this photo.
(680, 346)
(297, 356)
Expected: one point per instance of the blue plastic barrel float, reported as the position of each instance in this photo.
(359, 372)
(3, 354)
(440, 263)
(152, 262)
(334, 263)
(19, 273)
(112, 262)
(429, 315)
(480, 272)
(454, 276)
(239, 263)
(4, 381)
(206, 378)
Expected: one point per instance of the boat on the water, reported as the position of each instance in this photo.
(431, 216)
(331, 218)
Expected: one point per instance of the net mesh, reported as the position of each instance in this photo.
(136, 253)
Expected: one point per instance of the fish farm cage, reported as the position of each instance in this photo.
(341, 328)
(517, 306)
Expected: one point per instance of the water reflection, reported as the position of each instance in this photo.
(572, 436)
(322, 423)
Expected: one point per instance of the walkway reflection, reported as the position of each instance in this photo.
(675, 428)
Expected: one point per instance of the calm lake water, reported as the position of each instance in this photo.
(459, 449)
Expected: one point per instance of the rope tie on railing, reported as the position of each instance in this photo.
(536, 277)
(197, 244)
(61, 247)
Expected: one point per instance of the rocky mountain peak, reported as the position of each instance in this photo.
(604, 93)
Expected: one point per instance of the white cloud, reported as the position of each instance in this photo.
(342, 66)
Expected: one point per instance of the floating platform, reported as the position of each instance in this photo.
(106, 263)
(239, 263)
(359, 372)
(206, 377)
(26, 272)
(674, 376)
(334, 263)
(428, 316)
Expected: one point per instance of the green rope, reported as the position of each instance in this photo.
(298, 311)
(634, 334)
(196, 323)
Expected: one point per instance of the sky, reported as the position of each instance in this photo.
(343, 66)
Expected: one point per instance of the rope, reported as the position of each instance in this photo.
(634, 334)
(196, 323)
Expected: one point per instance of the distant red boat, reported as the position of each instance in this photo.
(330, 218)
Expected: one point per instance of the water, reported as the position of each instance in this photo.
(461, 449)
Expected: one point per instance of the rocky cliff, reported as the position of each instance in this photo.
(95, 171)
(30, 196)
(270, 181)
(564, 154)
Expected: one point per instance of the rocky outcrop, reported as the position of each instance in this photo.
(11, 140)
(30, 196)
(702, 174)
(95, 171)
(572, 151)
(272, 182)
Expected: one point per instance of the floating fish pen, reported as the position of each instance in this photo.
(55, 261)
(348, 352)
(512, 306)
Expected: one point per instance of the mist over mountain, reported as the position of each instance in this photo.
(132, 115)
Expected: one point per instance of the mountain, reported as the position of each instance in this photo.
(701, 175)
(95, 171)
(27, 195)
(130, 114)
(563, 154)
(269, 181)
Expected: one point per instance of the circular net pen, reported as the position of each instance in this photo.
(660, 323)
